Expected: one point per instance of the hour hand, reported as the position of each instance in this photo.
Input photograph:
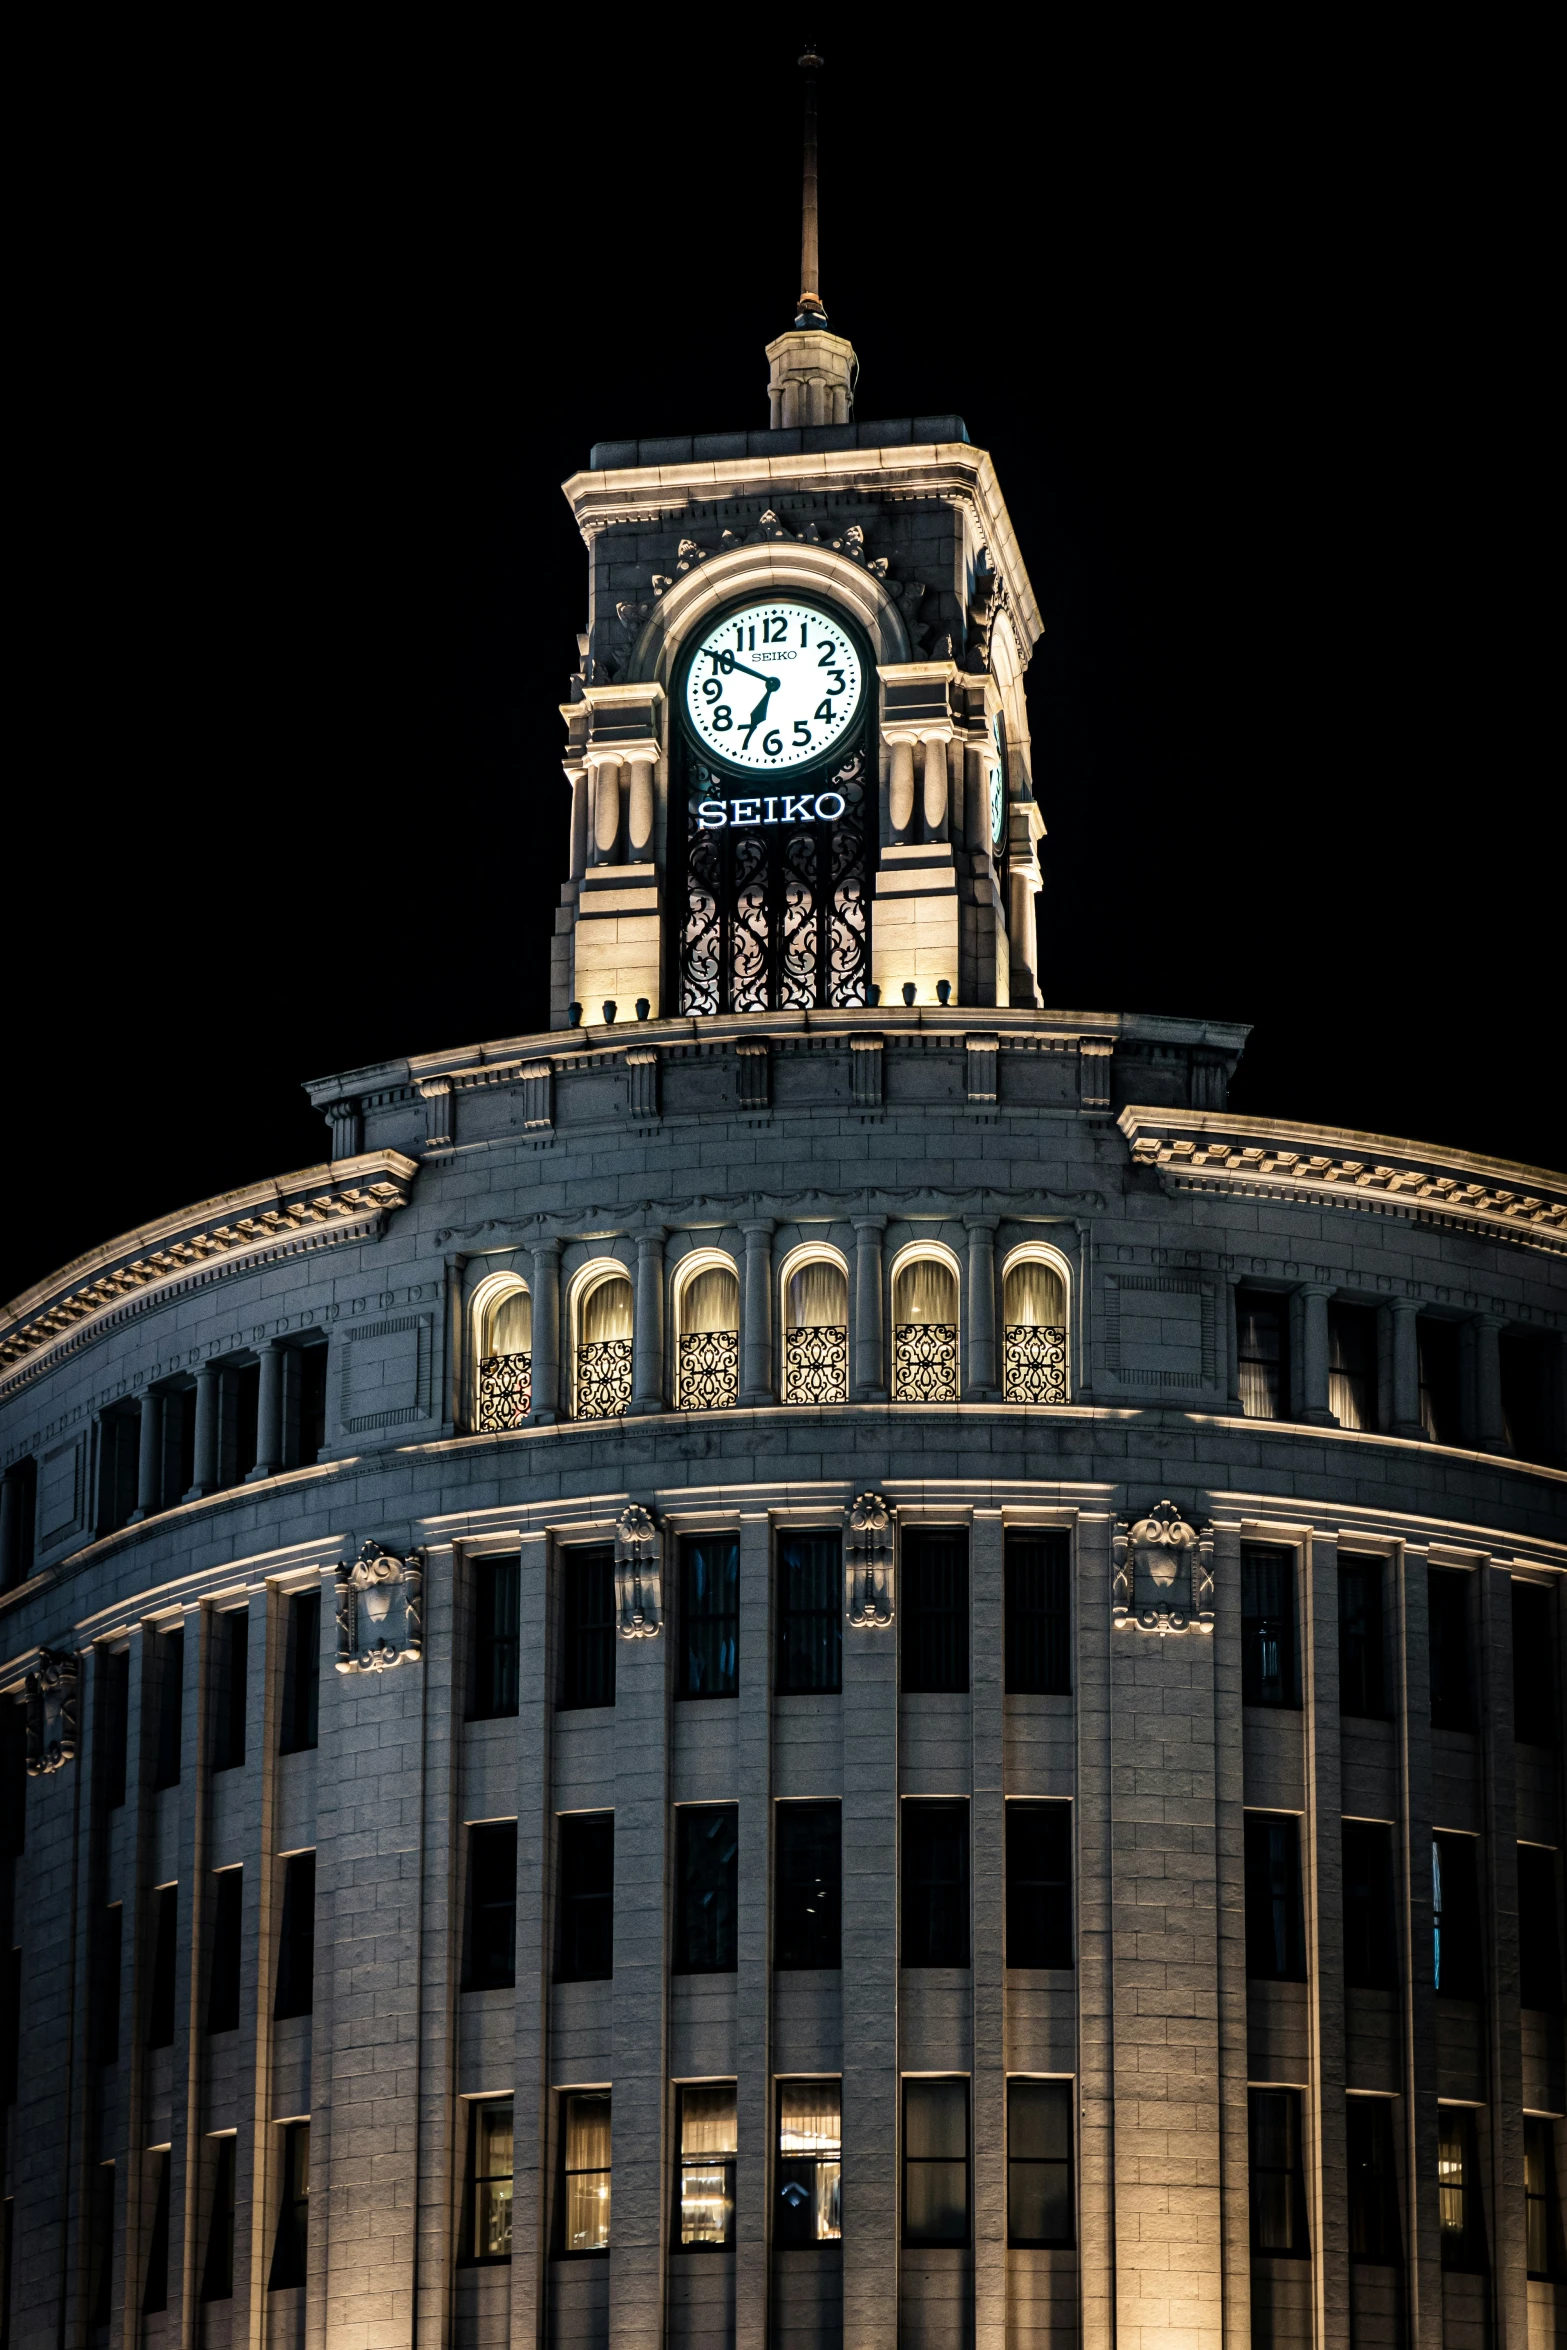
(769, 688)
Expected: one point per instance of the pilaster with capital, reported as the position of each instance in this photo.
(981, 1384)
(647, 1338)
(870, 1346)
(756, 1313)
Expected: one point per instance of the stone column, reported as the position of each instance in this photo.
(1490, 1427)
(1093, 1723)
(753, 1983)
(981, 1384)
(209, 1391)
(581, 792)
(900, 787)
(870, 1349)
(987, 1829)
(934, 794)
(640, 826)
(1404, 1331)
(606, 809)
(1230, 1973)
(647, 1341)
(149, 1462)
(870, 1985)
(1232, 1348)
(1312, 1406)
(756, 1314)
(638, 2002)
(1411, 1645)
(1498, 1859)
(546, 1333)
(269, 1413)
(1327, 2184)
(535, 1887)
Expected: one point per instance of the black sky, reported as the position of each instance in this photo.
(1258, 331)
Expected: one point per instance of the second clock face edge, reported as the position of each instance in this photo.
(774, 686)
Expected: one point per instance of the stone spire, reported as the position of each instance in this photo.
(812, 372)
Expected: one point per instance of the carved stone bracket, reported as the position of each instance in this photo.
(1162, 1577)
(51, 1712)
(867, 1561)
(380, 1611)
(639, 1574)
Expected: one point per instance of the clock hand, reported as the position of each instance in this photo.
(770, 685)
(730, 662)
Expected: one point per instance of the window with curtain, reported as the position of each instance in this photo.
(1278, 2179)
(588, 1626)
(925, 1333)
(707, 1368)
(1360, 1637)
(1455, 1917)
(1038, 1630)
(1542, 2207)
(1259, 1347)
(1033, 1334)
(585, 2172)
(708, 2146)
(490, 2164)
(935, 1882)
(1039, 1884)
(1352, 1365)
(1274, 1945)
(1461, 2217)
(935, 2162)
(497, 1598)
(1374, 2231)
(816, 1334)
(1437, 1346)
(1370, 1946)
(933, 1611)
(505, 1381)
(1267, 1625)
(709, 1615)
(1039, 2164)
(604, 1349)
(808, 1881)
(810, 1614)
(807, 2212)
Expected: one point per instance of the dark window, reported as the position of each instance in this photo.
(808, 1885)
(705, 2205)
(491, 2162)
(155, 2293)
(1534, 1664)
(18, 1520)
(119, 1437)
(587, 1897)
(933, 1606)
(1526, 1396)
(179, 1437)
(1539, 1940)
(106, 1989)
(1360, 1688)
(1441, 1411)
(100, 2291)
(1038, 1615)
(709, 1615)
(246, 1399)
(935, 2162)
(1259, 1346)
(169, 1660)
(1374, 2233)
(1039, 1885)
(114, 1702)
(1278, 2182)
(707, 1853)
(228, 1910)
(1267, 1625)
(1273, 1935)
(589, 1645)
(1448, 1591)
(13, 1777)
(10, 2024)
(301, 1673)
(1455, 1917)
(1352, 1365)
(217, 2276)
(312, 1400)
(497, 1600)
(165, 1957)
(1458, 2188)
(491, 1939)
(935, 1884)
(232, 1662)
(585, 2171)
(810, 1614)
(1039, 2163)
(809, 2207)
(1542, 2208)
(296, 1959)
(291, 2244)
(1370, 1953)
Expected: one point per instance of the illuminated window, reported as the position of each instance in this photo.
(503, 1349)
(1542, 2209)
(1352, 1365)
(816, 1332)
(585, 2171)
(1033, 1331)
(1441, 1409)
(1259, 1341)
(1458, 2188)
(705, 2219)
(489, 2180)
(925, 1331)
(707, 1366)
(810, 2165)
(604, 1322)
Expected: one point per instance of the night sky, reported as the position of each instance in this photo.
(1257, 336)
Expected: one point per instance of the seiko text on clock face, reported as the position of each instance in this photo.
(774, 687)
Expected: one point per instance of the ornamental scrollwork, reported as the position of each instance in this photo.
(708, 1371)
(603, 1378)
(816, 1363)
(925, 1362)
(505, 1392)
(380, 1611)
(52, 1687)
(1162, 1577)
(639, 1574)
(867, 1560)
(1035, 1356)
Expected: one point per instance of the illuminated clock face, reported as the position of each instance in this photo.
(998, 788)
(773, 687)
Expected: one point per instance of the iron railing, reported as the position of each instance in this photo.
(603, 1378)
(816, 1363)
(505, 1391)
(1035, 1363)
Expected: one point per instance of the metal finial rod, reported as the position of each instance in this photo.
(812, 311)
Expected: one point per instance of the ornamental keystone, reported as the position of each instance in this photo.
(1162, 1579)
(51, 1711)
(867, 1560)
(380, 1611)
(639, 1575)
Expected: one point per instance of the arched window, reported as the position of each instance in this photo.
(815, 1330)
(707, 1309)
(603, 1366)
(1034, 1328)
(925, 1329)
(503, 1351)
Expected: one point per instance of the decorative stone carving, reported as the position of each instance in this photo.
(639, 1575)
(771, 528)
(1162, 1579)
(51, 1712)
(867, 1559)
(380, 1611)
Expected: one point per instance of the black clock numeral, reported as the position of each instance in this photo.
(722, 719)
(776, 621)
(802, 731)
(772, 743)
(824, 711)
(842, 685)
(711, 688)
(829, 655)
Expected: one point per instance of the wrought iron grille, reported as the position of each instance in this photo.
(505, 1391)
(603, 1378)
(777, 915)
(816, 1363)
(1035, 1363)
(708, 1374)
(925, 1362)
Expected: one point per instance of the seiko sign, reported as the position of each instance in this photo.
(821, 807)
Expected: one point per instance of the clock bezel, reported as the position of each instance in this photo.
(717, 617)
